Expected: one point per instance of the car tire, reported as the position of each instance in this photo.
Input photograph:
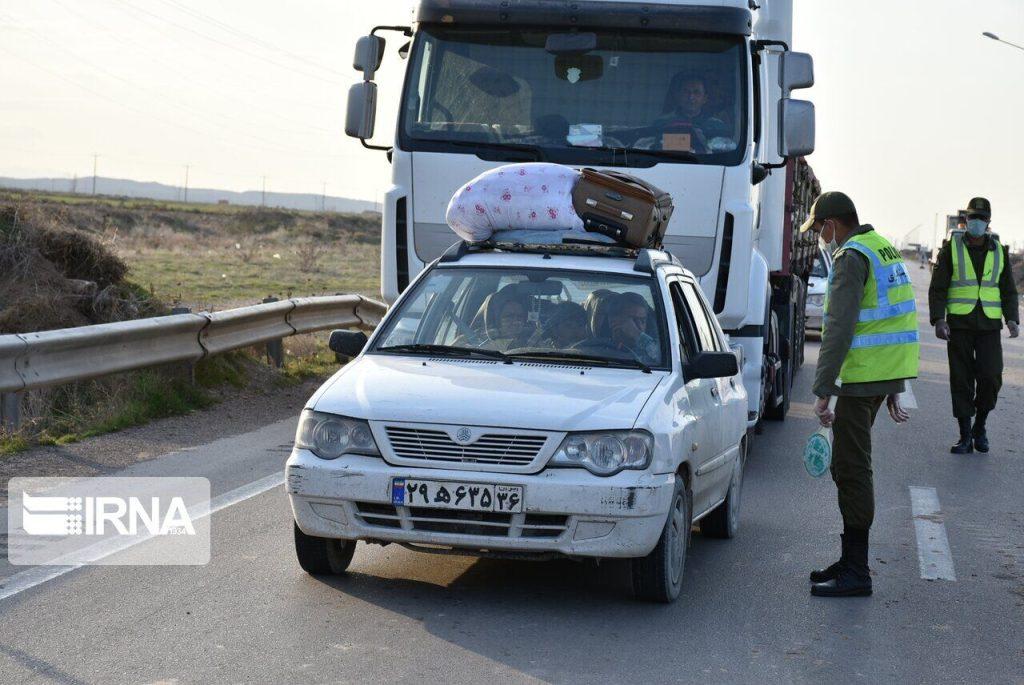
(658, 577)
(323, 556)
(724, 520)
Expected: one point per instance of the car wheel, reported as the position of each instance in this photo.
(323, 556)
(724, 520)
(658, 577)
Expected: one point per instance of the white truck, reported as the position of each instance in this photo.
(693, 96)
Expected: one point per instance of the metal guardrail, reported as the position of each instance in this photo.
(36, 360)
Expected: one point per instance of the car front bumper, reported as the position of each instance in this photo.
(565, 510)
(813, 317)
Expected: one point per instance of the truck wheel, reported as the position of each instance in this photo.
(322, 556)
(658, 577)
(784, 380)
(724, 520)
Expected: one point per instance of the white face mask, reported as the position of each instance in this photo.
(832, 245)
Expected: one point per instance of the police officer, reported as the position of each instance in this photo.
(972, 291)
(869, 346)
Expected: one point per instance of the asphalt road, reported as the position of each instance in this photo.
(251, 615)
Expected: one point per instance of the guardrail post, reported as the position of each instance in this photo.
(275, 348)
(10, 411)
(191, 365)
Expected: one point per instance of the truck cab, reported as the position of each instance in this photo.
(529, 401)
(693, 97)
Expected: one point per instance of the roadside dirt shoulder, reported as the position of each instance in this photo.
(243, 411)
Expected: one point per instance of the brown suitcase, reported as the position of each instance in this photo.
(623, 207)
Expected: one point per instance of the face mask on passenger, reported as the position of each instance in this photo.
(977, 227)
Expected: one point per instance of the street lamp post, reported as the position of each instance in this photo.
(989, 34)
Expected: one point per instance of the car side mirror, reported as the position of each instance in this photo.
(796, 128)
(796, 70)
(362, 110)
(712, 365)
(347, 343)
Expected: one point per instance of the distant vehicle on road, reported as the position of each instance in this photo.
(564, 400)
(816, 286)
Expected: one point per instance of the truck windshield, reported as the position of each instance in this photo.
(635, 99)
(559, 316)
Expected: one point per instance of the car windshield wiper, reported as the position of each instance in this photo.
(568, 356)
(536, 151)
(445, 350)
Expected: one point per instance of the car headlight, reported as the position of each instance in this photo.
(816, 300)
(329, 436)
(605, 453)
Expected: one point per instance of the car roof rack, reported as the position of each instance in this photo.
(647, 259)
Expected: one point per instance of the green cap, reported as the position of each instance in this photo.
(827, 206)
(979, 206)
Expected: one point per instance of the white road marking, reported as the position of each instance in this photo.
(37, 575)
(934, 557)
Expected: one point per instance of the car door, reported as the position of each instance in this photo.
(725, 396)
(700, 398)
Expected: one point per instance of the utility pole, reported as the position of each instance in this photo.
(186, 182)
(74, 184)
(95, 158)
(323, 198)
(263, 198)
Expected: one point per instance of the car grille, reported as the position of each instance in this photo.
(491, 448)
(462, 522)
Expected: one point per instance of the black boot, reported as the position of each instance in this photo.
(854, 577)
(966, 438)
(830, 572)
(980, 436)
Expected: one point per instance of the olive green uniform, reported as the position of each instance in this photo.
(857, 403)
(974, 348)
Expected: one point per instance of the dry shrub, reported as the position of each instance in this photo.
(308, 253)
(56, 277)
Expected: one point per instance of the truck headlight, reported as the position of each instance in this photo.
(329, 436)
(605, 453)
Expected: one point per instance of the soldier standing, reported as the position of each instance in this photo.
(869, 341)
(971, 292)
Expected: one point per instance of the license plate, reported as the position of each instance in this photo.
(410, 492)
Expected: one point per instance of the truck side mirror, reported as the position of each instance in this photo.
(362, 110)
(796, 128)
(347, 343)
(796, 70)
(369, 54)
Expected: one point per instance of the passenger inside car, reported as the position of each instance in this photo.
(565, 326)
(625, 329)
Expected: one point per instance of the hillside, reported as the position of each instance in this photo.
(120, 187)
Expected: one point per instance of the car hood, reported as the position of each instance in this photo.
(483, 393)
(816, 285)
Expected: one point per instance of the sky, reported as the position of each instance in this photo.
(916, 111)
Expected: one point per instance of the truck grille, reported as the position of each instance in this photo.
(491, 448)
(462, 522)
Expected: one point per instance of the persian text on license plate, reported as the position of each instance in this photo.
(411, 492)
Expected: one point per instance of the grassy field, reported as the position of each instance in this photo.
(219, 256)
(160, 254)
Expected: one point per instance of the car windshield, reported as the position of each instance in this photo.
(555, 315)
(819, 270)
(635, 99)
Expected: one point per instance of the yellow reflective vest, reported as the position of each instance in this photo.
(885, 341)
(965, 288)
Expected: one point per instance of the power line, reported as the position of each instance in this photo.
(247, 36)
(131, 8)
(174, 69)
